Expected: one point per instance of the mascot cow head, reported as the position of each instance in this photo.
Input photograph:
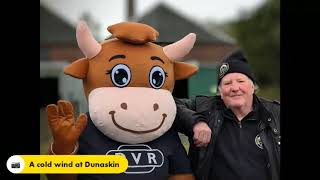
(128, 80)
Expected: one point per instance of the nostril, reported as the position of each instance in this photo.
(155, 106)
(124, 106)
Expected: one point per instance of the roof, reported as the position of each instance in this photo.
(172, 26)
(54, 29)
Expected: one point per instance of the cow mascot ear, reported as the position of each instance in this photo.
(177, 51)
(89, 47)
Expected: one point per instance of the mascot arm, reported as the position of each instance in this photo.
(65, 132)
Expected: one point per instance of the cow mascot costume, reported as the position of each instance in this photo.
(128, 82)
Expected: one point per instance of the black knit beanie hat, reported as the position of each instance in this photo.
(235, 62)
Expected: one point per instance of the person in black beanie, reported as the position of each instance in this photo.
(236, 133)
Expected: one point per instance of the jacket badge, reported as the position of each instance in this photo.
(258, 141)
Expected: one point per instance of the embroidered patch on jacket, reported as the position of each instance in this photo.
(258, 141)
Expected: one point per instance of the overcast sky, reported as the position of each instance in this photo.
(108, 12)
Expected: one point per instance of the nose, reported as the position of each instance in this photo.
(235, 87)
(155, 106)
(124, 106)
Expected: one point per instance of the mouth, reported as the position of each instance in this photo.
(133, 131)
(236, 95)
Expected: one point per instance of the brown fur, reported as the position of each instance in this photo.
(133, 32)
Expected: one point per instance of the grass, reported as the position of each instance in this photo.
(184, 141)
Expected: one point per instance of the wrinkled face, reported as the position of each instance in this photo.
(236, 90)
(129, 93)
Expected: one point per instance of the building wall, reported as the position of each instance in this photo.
(56, 52)
(208, 57)
(204, 82)
(68, 53)
(209, 53)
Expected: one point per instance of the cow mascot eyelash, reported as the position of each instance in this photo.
(128, 82)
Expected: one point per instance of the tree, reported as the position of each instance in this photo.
(258, 34)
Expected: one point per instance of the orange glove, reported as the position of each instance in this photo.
(65, 130)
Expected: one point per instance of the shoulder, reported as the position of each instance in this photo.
(276, 102)
(208, 100)
(270, 105)
(204, 96)
(269, 102)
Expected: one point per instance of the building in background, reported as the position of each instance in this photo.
(208, 52)
(58, 47)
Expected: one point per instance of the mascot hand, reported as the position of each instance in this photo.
(65, 130)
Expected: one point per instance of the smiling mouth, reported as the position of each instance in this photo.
(236, 95)
(133, 131)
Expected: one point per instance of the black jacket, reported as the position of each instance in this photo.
(209, 109)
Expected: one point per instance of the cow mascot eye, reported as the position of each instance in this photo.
(120, 75)
(157, 77)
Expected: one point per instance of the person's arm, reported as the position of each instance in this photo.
(191, 123)
(186, 116)
(187, 103)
